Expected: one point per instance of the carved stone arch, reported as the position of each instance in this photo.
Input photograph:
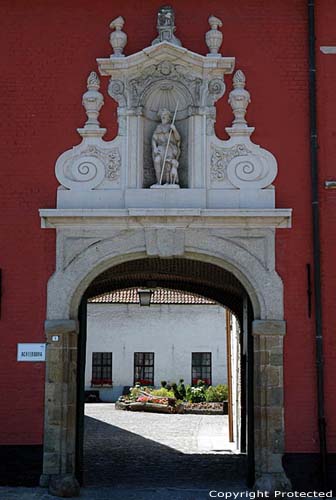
(128, 245)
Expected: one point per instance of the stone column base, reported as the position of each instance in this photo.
(64, 486)
(44, 480)
(273, 482)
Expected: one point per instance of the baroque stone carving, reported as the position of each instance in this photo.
(116, 90)
(257, 168)
(253, 170)
(174, 82)
(214, 37)
(92, 101)
(87, 169)
(166, 26)
(118, 38)
(166, 150)
(221, 157)
(216, 89)
(239, 99)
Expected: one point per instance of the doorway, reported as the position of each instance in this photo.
(194, 278)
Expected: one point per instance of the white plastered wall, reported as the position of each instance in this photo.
(172, 332)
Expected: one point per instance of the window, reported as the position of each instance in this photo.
(101, 368)
(144, 368)
(201, 367)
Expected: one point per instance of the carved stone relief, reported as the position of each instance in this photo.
(166, 26)
(88, 168)
(221, 157)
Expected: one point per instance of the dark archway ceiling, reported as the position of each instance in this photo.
(194, 276)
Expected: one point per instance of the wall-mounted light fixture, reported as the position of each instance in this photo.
(144, 296)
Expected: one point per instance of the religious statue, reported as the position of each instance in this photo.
(166, 150)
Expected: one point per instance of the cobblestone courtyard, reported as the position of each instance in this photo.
(150, 449)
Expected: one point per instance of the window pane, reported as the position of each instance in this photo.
(201, 367)
(101, 367)
(144, 367)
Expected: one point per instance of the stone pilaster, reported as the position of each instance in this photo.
(268, 405)
(60, 407)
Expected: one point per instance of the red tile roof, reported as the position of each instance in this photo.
(159, 296)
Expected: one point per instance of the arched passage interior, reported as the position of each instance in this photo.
(201, 278)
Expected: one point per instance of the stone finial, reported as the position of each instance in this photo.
(166, 26)
(93, 82)
(239, 99)
(118, 38)
(214, 37)
(239, 79)
(92, 101)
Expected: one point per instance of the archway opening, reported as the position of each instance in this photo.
(216, 286)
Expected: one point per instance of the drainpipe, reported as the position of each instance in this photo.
(316, 245)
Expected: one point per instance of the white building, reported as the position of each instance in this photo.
(180, 336)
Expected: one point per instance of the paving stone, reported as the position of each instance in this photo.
(123, 448)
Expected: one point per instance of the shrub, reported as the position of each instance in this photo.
(162, 392)
(222, 392)
(181, 389)
(163, 383)
(210, 394)
(197, 394)
(188, 392)
(217, 394)
(176, 391)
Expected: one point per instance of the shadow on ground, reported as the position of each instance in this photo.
(119, 458)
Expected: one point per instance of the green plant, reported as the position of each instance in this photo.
(181, 389)
(162, 392)
(188, 392)
(163, 383)
(222, 392)
(197, 394)
(137, 391)
(217, 394)
(176, 391)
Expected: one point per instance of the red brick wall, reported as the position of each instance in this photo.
(326, 100)
(48, 50)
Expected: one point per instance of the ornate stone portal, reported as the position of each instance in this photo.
(223, 212)
(210, 172)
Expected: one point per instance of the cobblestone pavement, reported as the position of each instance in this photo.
(143, 450)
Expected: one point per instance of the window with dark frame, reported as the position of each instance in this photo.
(144, 368)
(201, 367)
(101, 368)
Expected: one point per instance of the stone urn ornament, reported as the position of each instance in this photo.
(118, 38)
(239, 99)
(214, 37)
(92, 100)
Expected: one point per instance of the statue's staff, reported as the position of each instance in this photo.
(169, 136)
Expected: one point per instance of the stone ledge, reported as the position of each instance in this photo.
(269, 327)
(194, 218)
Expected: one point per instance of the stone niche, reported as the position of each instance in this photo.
(211, 173)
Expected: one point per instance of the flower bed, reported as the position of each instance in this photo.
(173, 398)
